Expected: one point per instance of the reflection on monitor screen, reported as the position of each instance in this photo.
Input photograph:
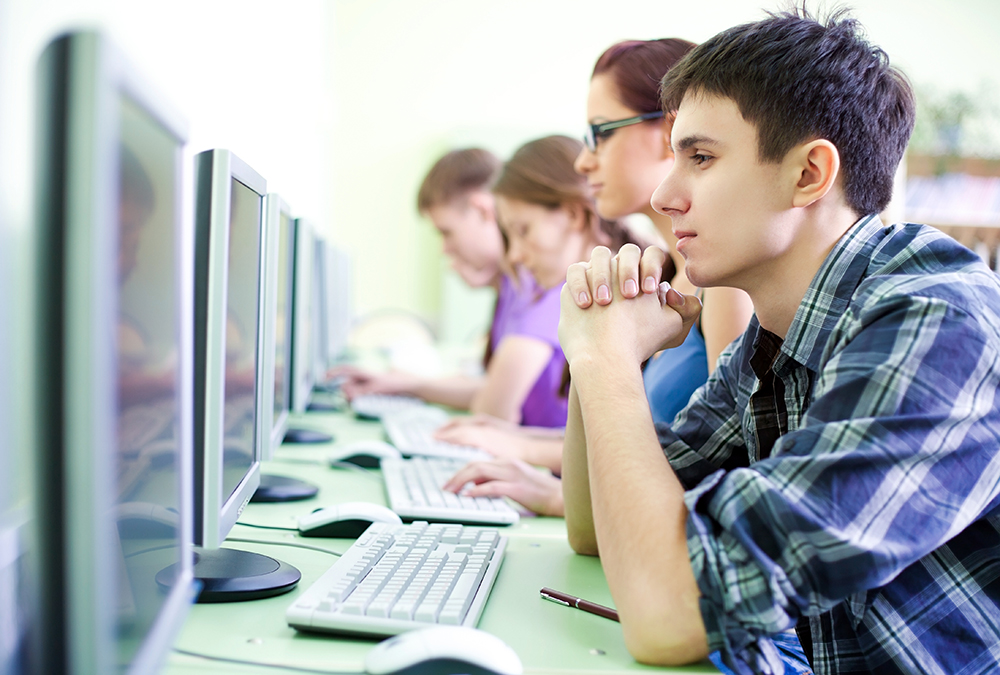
(149, 443)
(283, 308)
(302, 317)
(241, 335)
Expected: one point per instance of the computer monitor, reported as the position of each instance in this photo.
(320, 311)
(112, 366)
(277, 352)
(302, 316)
(337, 278)
(277, 333)
(230, 379)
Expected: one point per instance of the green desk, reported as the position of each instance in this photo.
(549, 638)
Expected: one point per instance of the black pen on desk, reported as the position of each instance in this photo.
(573, 601)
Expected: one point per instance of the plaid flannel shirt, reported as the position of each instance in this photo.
(877, 513)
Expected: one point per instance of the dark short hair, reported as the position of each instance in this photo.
(456, 174)
(797, 79)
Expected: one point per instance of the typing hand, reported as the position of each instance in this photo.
(359, 382)
(605, 314)
(497, 441)
(479, 420)
(536, 490)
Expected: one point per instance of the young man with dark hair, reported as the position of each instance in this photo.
(840, 471)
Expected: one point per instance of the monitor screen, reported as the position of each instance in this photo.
(338, 299)
(303, 331)
(320, 312)
(283, 307)
(148, 333)
(242, 309)
(282, 327)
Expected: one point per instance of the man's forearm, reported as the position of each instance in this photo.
(576, 482)
(638, 517)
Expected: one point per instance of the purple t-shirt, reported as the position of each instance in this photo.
(527, 310)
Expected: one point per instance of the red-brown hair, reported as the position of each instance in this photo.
(637, 66)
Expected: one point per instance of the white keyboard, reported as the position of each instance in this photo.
(412, 431)
(395, 578)
(374, 406)
(413, 487)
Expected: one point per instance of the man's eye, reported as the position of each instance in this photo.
(699, 159)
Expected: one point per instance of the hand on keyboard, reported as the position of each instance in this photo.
(413, 487)
(412, 431)
(536, 489)
(539, 446)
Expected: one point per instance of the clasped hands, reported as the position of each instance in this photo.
(606, 313)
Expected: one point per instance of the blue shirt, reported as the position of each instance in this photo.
(877, 513)
(671, 376)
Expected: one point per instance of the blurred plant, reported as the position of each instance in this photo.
(956, 123)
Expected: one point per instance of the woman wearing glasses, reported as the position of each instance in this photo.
(625, 156)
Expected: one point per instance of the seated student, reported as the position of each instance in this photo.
(455, 195)
(626, 154)
(548, 220)
(840, 470)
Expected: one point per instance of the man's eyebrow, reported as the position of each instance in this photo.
(689, 142)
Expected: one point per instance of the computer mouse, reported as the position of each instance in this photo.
(346, 521)
(443, 649)
(367, 453)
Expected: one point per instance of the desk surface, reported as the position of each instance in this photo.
(549, 638)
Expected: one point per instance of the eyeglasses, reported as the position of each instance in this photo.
(605, 129)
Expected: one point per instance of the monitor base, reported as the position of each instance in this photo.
(228, 575)
(323, 406)
(306, 436)
(274, 488)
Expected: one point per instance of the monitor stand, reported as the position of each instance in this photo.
(323, 406)
(228, 575)
(274, 488)
(306, 436)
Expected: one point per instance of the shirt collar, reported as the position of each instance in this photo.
(830, 293)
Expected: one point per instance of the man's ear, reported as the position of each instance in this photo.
(666, 152)
(578, 220)
(817, 167)
(484, 204)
